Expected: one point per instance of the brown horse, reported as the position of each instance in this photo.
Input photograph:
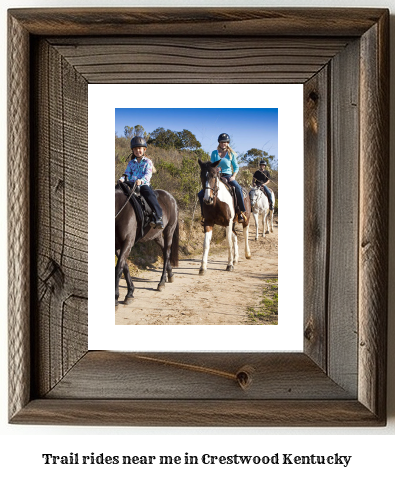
(218, 208)
(128, 232)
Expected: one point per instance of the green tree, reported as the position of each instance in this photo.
(165, 139)
(131, 131)
(254, 155)
(188, 140)
(168, 139)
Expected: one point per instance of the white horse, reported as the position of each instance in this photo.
(260, 205)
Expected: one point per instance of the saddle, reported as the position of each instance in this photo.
(264, 191)
(141, 207)
(232, 191)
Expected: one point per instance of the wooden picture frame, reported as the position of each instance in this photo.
(342, 58)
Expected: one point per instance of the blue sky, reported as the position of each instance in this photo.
(247, 127)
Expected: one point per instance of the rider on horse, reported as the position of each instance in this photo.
(261, 178)
(228, 162)
(139, 171)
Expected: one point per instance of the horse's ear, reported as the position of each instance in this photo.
(200, 162)
(216, 163)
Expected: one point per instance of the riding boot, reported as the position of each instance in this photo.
(156, 221)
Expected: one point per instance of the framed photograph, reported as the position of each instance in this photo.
(264, 116)
(341, 57)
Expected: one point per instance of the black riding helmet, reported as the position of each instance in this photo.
(223, 138)
(262, 161)
(137, 142)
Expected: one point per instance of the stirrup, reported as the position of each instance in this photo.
(242, 217)
(159, 223)
(202, 221)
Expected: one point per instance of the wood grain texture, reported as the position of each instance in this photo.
(196, 376)
(316, 214)
(18, 218)
(319, 387)
(258, 22)
(202, 413)
(61, 199)
(190, 59)
(373, 236)
(344, 216)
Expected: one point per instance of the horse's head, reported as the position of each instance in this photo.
(254, 194)
(209, 176)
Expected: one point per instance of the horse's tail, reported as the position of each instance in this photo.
(175, 246)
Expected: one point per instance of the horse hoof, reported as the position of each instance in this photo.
(248, 257)
(256, 238)
(161, 287)
(171, 278)
(128, 300)
(202, 272)
(229, 268)
(116, 303)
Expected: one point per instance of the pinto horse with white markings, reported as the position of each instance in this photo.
(218, 208)
(260, 205)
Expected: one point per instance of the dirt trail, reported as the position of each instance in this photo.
(217, 298)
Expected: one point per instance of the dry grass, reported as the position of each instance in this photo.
(266, 313)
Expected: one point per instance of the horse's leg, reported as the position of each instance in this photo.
(117, 279)
(247, 246)
(271, 214)
(208, 232)
(265, 222)
(235, 248)
(166, 265)
(170, 275)
(128, 279)
(129, 282)
(256, 214)
(169, 269)
(173, 245)
(119, 268)
(164, 244)
(229, 241)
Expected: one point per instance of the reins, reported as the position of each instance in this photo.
(215, 189)
(127, 200)
(264, 182)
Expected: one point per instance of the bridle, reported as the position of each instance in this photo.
(257, 190)
(215, 189)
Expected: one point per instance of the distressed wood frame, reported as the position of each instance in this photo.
(342, 58)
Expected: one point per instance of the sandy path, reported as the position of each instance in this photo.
(218, 297)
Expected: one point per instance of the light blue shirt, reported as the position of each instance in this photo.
(226, 163)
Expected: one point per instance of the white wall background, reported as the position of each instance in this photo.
(22, 446)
